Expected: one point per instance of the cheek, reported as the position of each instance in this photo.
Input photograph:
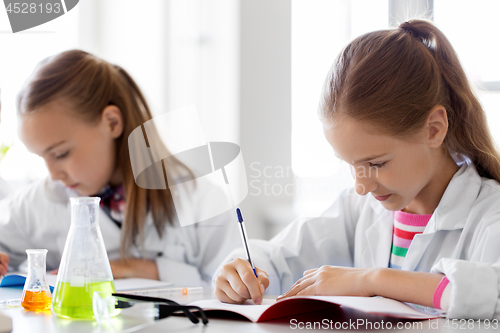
(415, 173)
(105, 158)
(81, 168)
(109, 153)
(96, 163)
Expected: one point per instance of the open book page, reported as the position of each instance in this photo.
(247, 309)
(270, 309)
(377, 305)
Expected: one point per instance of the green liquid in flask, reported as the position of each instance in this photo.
(76, 302)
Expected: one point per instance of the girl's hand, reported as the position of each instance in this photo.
(140, 268)
(332, 281)
(4, 263)
(236, 283)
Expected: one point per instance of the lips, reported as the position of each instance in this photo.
(382, 197)
(73, 186)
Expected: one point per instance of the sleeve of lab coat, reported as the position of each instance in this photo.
(13, 238)
(475, 284)
(305, 244)
(206, 243)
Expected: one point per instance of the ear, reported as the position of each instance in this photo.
(436, 126)
(112, 119)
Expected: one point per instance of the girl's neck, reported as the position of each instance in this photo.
(429, 197)
(116, 178)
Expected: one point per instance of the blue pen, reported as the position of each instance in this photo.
(244, 237)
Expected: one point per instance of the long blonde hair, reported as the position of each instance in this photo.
(90, 84)
(392, 79)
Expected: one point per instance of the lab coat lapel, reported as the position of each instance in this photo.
(378, 238)
(417, 248)
(458, 199)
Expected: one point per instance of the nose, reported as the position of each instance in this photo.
(56, 173)
(364, 184)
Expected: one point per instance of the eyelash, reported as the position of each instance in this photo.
(378, 166)
(63, 155)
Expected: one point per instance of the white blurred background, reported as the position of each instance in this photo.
(254, 70)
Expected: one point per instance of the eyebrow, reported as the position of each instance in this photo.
(54, 145)
(369, 158)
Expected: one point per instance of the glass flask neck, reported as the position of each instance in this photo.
(36, 259)
(85, 211)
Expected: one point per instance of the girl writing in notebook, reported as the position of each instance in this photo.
(422, 223)
(76, 111)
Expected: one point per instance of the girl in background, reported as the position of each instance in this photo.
(76, 111)
(425, 222)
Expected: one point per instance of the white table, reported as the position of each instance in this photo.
(46, 322)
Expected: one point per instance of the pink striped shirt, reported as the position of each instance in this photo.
(406, 226)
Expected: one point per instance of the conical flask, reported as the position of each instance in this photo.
(36, 292)
(84, 265)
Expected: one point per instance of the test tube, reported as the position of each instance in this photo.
(164, 292)
(10, 303)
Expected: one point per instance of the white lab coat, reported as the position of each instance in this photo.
(38, 216)
(461, 240)
(5, 188)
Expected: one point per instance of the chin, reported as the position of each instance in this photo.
(82, 193)
(390, 207)
(393, 206)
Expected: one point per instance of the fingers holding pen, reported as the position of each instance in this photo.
(244, 282)
(263, 279)
(246, 271)
(229, 278)
(237, 283)
(256, 286)
(225, 293)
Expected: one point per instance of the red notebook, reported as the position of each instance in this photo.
(270, 309)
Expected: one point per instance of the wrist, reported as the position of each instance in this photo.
(371, 279)
(154, 274)
(127, 270)
(146, 269)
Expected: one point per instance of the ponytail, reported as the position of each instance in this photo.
(468, 132)
(416, 69)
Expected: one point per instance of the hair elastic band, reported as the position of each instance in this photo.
(409, 28)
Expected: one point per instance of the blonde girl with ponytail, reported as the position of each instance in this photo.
(76, 111)
(422, 223)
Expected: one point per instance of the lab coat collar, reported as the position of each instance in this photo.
(458, 198)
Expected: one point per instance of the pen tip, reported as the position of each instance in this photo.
(238, 212)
